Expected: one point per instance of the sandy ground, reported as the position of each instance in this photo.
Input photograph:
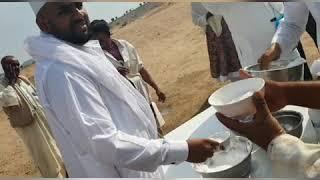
(175, 53)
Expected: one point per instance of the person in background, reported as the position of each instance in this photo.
(103, 126)
(288, 34)
(20, 103)
(252, 25)
(126, 60)
(286, 149)
(223, 58)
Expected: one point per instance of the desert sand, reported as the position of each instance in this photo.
(173, 50)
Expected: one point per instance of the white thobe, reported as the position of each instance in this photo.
(295, 19)
(103, 126)
(251, 27)
(133, 62)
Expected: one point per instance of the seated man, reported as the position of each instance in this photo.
(19, 101)
(127, 61)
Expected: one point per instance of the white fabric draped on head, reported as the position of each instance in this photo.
(36, 6)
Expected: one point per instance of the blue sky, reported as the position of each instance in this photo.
(18, 21)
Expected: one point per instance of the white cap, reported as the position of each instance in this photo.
(36, 6)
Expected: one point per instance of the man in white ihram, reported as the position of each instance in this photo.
(103, 126)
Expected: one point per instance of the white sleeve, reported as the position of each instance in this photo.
(199, 14)
(292, 27)
(303, 159)
(133, 52)
(216, 8)
(76, 102)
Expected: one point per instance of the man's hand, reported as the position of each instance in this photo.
(275, 95)
(123, 71)
(262, 130)
(201, 149)
(271, 54)
(161, 96)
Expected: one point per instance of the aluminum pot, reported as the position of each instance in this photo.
(280, 71)
(240, 170)
(291, 121)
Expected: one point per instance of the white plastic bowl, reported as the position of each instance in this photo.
(235, 99)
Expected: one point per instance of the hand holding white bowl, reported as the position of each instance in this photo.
(235, 99)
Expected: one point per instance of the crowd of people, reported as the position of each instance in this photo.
(91, 114)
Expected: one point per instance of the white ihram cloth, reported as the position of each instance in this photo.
(103, 126)
(293, 158)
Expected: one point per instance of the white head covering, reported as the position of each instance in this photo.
(36, 6)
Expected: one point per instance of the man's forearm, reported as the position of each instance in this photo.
(306, 94)
(148, 79)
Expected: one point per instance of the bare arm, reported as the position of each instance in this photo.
(306, 94)
(146, 75)
(147, 78)
(280, 94)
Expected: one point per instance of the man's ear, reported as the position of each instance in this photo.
(43, 23)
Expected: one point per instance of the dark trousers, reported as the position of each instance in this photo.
(311, 28)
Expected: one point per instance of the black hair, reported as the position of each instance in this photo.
(5, 58)
(99, 26)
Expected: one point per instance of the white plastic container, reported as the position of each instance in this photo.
(235, 99)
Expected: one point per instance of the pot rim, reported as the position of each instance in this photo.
(293, 112)
(270, 70)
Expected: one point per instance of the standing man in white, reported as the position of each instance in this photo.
(288, 36)
(289, 33)
(103, 126)
(252, 26)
